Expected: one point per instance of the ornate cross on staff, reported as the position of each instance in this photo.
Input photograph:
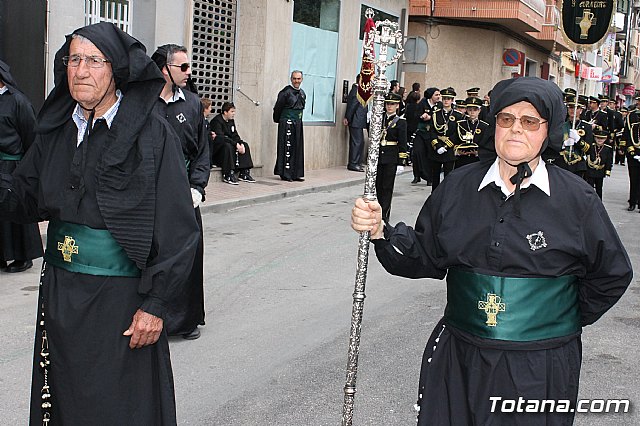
(385, 33)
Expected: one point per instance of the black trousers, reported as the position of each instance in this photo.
(619, 158)
(420, 162)
(596, 183)
(634, 182)
(436, 168)
(385, 181)
(356, 146)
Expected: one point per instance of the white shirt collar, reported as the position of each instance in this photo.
(177, 95)
(108, 116)
(3, 89)
(539, 178)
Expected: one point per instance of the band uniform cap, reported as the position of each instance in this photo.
(448, 93)
(392, 98)
(460, 103)
(624, 109)
(473, 101)
(570, 91)
(473, 92)
(602, 98)
(637, 97)
(593, 99)
(582, 101)
(600, 133)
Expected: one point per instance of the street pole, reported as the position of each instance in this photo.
(384, 33)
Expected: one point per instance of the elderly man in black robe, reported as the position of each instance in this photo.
(287, 112)
(522, 280)
(106, 170)
(18, 242)
(184, 111)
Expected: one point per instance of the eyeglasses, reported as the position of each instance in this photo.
(507, 120)
(91, 61)
(183, 67)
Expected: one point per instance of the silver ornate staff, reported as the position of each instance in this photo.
(385, 33)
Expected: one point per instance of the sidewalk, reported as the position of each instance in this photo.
(222, 196)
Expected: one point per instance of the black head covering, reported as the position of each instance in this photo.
(126, 172)
(6, 77)
(547, 98)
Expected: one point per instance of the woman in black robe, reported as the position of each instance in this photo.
(521, 282)
(121, 238)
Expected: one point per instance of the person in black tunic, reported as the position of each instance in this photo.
(619, 151)
(441, 153)
(106, 170)
(185, 113)
(577, 140)
(18, 242)
(287, 112)
(413, 120)
(599, 161)
(630, 142)
(522, 282)
(355, 117)
(393, 148)
(469, 134)
(224, 126)
(420, 156)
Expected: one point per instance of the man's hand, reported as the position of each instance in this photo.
(240, 148)
(345, 121)
(213, 135)
(367, 216)
(144, 330)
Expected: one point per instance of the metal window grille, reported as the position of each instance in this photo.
(117, 12)
(214, 33)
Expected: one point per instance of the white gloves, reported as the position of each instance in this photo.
(636, 157)
(573, 138)
(196, 198)
(399, 169)
(441, 150)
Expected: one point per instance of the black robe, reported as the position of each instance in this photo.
(17, 118)
(461, 371)
(227, 133)
(290, 149)
(186, 310)
(95, 378)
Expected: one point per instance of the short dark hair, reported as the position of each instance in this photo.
(394, 83)
(226, 107)
(415, 87)
(413, 98)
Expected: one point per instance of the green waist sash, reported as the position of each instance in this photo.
(10, 157)
(515, 309)
(291, 114)
(79, 248)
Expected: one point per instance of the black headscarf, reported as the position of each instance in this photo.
(547, 98)
(6, 77)
(126, 172)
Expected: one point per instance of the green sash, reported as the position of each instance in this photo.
(10, 157)
(515, 309)
(291, 114)
(81, 249)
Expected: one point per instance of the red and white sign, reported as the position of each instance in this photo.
(589, 73)
(629, 90)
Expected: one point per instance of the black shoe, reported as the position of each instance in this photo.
(246, 177)
(355, 168)
(19, 266)
(632, 207)
(415, 180)
(231, 179)
(192, 335)
(3, 265)
(622, 164)
(299, 179)
(286, 179)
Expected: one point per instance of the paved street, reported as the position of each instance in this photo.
(279, 278)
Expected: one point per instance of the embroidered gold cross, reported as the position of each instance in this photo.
(491, 307)
(68, 248)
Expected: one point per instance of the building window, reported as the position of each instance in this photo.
(117, 12)
(213, 56)
(314, 51)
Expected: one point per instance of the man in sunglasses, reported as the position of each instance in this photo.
(107, 173)
(184, 111)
